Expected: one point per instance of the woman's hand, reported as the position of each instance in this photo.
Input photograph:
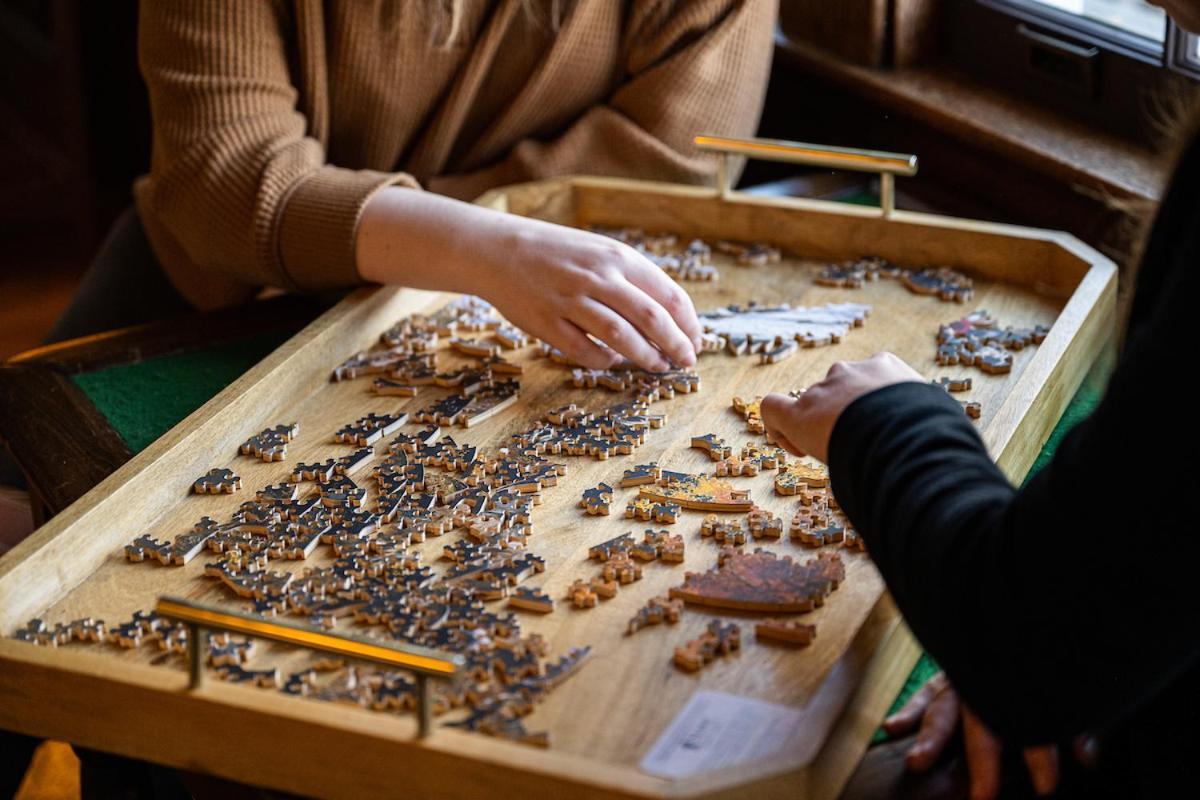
(934, 711)
(557, 283)
(560, 283)
(803, 425)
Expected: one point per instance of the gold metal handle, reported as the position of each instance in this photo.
(422, 661)
(888, 165)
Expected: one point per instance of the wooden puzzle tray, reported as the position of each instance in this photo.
(604, 719)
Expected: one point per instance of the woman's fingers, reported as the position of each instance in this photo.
(937, 708)
(651, 320)
(778, 413)
(937, 728)
(910, 713)
(798, 424)
(775, 407)
(983, 757)
(576, 346)
(616, 331)
(780, 438)
(671, 296)
(1042, 763)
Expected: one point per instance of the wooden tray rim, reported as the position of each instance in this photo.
(1048, 379)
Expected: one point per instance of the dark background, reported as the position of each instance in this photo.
(75, 133)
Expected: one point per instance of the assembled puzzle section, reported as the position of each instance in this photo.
(763, 581)
(777, 332)
(697, 492)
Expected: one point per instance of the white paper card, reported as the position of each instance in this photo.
(716, 730)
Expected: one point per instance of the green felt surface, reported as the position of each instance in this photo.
(143, 401)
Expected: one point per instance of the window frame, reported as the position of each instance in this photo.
(1093, 32)
(1181, 52)
(1086, 70)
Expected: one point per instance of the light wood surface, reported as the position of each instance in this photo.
(604, 719)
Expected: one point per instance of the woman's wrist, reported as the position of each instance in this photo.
(419, 240)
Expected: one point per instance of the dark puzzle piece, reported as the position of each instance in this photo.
(271, 444)
(217, 481)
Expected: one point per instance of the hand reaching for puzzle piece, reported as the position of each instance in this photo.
(935, 711)
(592, 297)
(803, 424)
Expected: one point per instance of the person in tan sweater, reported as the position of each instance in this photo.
(291, 141)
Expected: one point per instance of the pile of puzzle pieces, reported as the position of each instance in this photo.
(621, 560)
(657, 611)
(364, 507)
(818, 522)
(978, 340)
(225, 653)
(719, 639)
(693, 261)
(423, 484)
(751, 460)
(945, 283)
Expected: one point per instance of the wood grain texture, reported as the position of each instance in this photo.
(914, 31)
(855, 30)
(61, 442)
(604, 719)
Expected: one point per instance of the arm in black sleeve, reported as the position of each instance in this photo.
(1063, 606)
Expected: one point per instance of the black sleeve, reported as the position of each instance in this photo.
(1068, 604)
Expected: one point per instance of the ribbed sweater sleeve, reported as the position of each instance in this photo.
(688, 68)
(1066, 605)
(238, 184)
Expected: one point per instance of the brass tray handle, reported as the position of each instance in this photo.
(422, 661)
(888, 165)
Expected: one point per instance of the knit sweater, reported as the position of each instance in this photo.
(275, 122)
